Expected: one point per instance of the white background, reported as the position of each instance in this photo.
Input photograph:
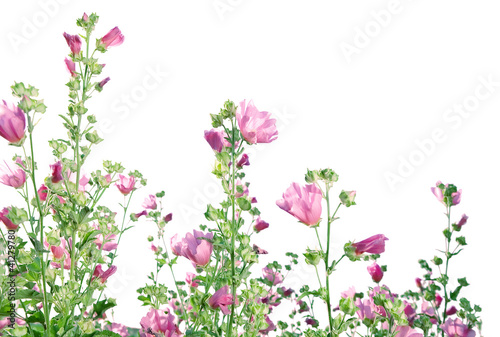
(362, 114)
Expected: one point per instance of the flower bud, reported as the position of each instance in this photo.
(375, 272)
(347, 198)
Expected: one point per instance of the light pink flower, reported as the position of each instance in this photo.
(406, 331)
(191, 247)
(456, 328)
(103, 275)
(113, 38)
(12, 123)
(438, 192)
(272, 276)
(6, 221)
(12, 175)
(243, 186)
(373, 245)
(154, 248)
(60, 253)
(157, 323)
(126, 184)
(111, 242)
(221, 299)
(429, 311)
(256, 126)
(74, 43)
(348, 293)
(260, 225)
(216, 138)
(375, 272)
(150, 202)
(70, 65)
(118, 328)
(365, 309)
(85, 17)
(190, 280)
(303, 202)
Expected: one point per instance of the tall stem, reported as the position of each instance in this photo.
(448, 239)
(233, 227)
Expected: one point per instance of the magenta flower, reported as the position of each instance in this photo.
(216, 138)
(272, 276)
(103, 275)
(138, 215)
(375, 272)
(118, 328)
(113, 38)
(443, 197)
(56, 172)
(85, 17)
(243, 161)
(74, 43)
(193, 248)
(43, 191)
(126, 184)
(462, 221)
(70, 65)
(12, 175)
(103, 82)
(157, 323)
(407, 331)
(12, 123)
(5, 219)
(260, 225)
(154, 248)
(168, 217)
(303, 202)
(221, 299)
(456, 328)
(451, 311)
(150, 202)
(270, 326)
(256, 126)
(60, 253)
(110, 244)
(438, 300)
(373, 245)
(244, 189)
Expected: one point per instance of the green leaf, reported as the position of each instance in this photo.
(463, 282)
(244, 204)
(461, 240)
(101, 306)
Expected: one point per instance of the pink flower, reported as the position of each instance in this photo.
(168, 218)
(103, 275)
(216, 138)
(463, 221)
(244, 188)
(71, 67)
(429, 311)
(103, 82)
(110, 244)
(444, 197)
(85, 17)
(456, 328)
(348, 293)
(451, 311)
(243, 161)
(12, 123)
(191, 247)
(375, 272)
(406, 331)
(373, 245)
(260, 225)
(74, 43)
(157, 323)
(6, 221)
(190, 279)
(256, 126)
(410, 313)
(418, 282)
(150, 202)
(270, 326)
(272, 276)
(12, 174)
(221, 299)
(126, 184)
(365, 309)
(60, 253)
(43, 192)
(56, 172)
(113, 38)
(303, 202)
(138, 215)
(438, 300)
(118, 328)
(154, 248)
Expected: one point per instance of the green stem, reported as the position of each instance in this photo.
(446, 299)
(233, 227)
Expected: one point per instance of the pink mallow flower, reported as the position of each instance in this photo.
(12, 123)
(270, 326)
(193, 248)
(103, 275)
(6, 220)
(190, 280)
(272, 276)
(74, 43)
(438, 192)
(243, 161)
(113, 38)
(61, 254)
(110, 244)
(260, 225)
(256, 126)
(12, 174)
(150, 202)
(70, 65)
(118, 328)
(373, 245)
(463, 221)
(221, 299)
(407, 331)
(216, 138)
(456, 328)
(158, 323)
(126, 184)
(365, 309)
(303, 202)
(375, 272)
(56, 172)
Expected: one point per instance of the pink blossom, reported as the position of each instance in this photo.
(272, 276)
(244, 188)
(126, 184)
(43, 192)
(438, 300)
(190, 280)
(60, 253)
(168, 218)
(113, 38)
(270, 326)
(258, 250)
(85, 17)
(70, 65)
(221, 299)
(256, 126)
(463, 221)
(138, 215)
(154, 248)
(56, 172)
(410, 313)
(110, 244)
(150, 202)
(456, 328)
(429, 311)
(243, 161)
(118, 328)
(12, 174)
(406, 331)
(157, 323)
(418, 282)
(303, 202)
(74, 43)
(260, 225)
(373, 245)
(103, 275)
(103, 82)
(287, 292)
(216, 138)
(351, 292)
(193, 248)
(365, 309)
(6, 221)
(12, 123)
(375, 272)
(438, 192)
